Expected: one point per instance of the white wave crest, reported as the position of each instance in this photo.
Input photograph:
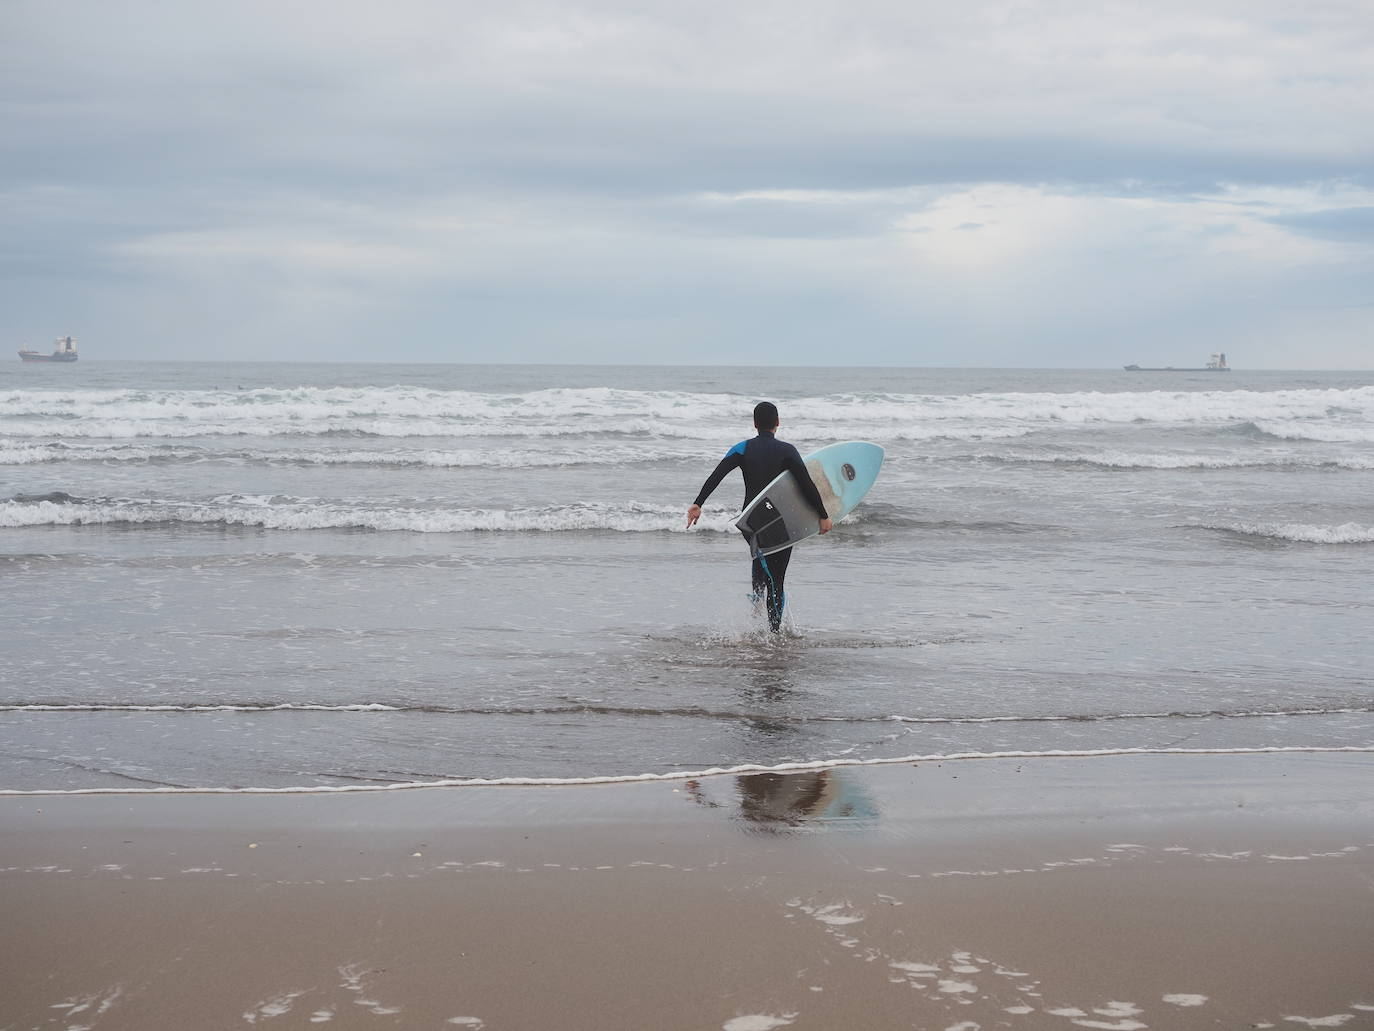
(1327, 433)
(1126, 460)
(469, 458)
(279, 513)
(335, 424)
(400, 411)
(649, 429)
(132, 707)
(1346, 533)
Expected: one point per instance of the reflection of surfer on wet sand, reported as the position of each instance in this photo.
(778, 801)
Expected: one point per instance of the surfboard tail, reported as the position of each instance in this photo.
(765, 527)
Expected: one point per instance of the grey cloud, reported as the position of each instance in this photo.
(608, 98)
(1355, 225)
(571, 146)
(810, 218)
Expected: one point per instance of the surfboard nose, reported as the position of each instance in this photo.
(851, 468)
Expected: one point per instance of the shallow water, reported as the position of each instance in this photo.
(274, 575)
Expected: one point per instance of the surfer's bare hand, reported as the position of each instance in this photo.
(826, 525)
(693, 514)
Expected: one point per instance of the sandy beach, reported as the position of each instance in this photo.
(1120, 893)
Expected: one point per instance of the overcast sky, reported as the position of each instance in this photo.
(858, 182)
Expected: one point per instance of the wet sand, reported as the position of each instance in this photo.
(1123, 893)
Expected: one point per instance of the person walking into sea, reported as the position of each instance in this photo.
(761, 459)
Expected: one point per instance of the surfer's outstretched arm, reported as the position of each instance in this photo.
(731, 461)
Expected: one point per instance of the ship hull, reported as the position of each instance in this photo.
(1217, 363)
(31, 356)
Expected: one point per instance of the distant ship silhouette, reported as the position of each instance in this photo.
(63, 350)
(1217, 363)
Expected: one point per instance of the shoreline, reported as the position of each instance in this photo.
(1134, 891)
(746, 769)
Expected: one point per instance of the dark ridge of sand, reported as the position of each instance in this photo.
(1121, 893)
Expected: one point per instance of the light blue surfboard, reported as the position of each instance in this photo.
(779, 516)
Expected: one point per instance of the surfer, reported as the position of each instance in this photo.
(761, 459)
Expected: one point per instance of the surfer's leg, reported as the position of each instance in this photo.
(768, 576)
(758, 582)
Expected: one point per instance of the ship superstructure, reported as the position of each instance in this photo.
(63, 350)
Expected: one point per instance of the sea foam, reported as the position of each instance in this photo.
(273, 512)
(684, 775)
(400, 411)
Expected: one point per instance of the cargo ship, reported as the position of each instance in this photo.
(1217, 363)
(63, 350)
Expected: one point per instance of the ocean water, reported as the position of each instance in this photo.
(273, 576)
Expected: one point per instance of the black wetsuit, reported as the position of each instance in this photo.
(761, 459)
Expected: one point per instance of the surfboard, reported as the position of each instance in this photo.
(780, 516)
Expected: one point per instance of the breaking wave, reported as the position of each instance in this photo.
(1345, 533)
(1323, 432)
(1124, 460)
(437, 458)
(277, 512)
(1345, 415)
(283, 512)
